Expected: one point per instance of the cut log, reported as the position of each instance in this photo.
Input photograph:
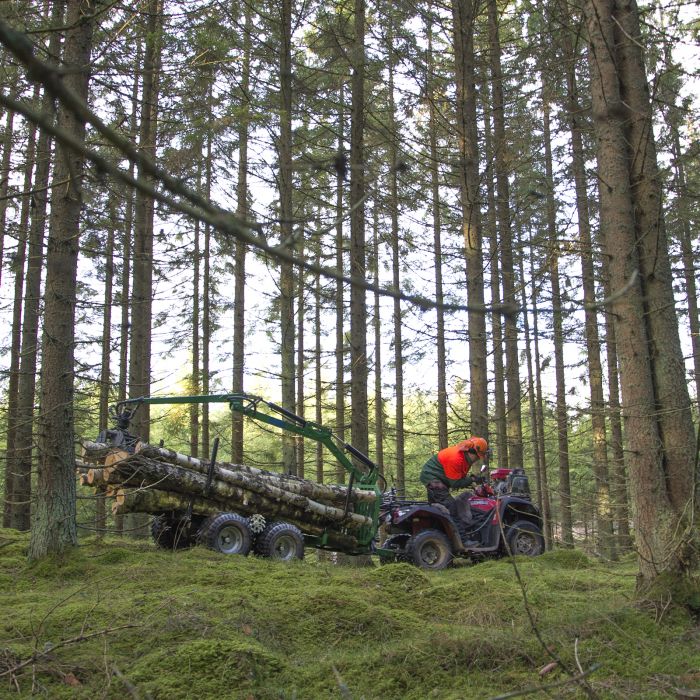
(229, 472)
(98, 477)
(139, 471)
(148, 500)
(246, 489)
(95, 451)
(114, 457)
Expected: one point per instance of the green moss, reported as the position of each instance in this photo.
(195, 624)
(205, 668)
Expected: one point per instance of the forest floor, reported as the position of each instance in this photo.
(122, 619)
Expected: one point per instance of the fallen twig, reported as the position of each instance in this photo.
(548, 686)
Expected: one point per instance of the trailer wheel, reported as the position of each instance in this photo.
(429, 549)
(524, 537)
(282, 541)
(170, 533)
(227, 533)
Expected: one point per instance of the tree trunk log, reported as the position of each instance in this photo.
(271, 501)
(230, 472)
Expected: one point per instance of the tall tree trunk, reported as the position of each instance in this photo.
(127, 237)
(659, 430)
(207, 291)
(464, 28)
(195, 383)
(603, 497)
(301, 317)
(436, 207)
(359, 434)
(240, 251)
(547, 517)
(499, 391)
(621, 515)
(142, 300)
(53, 522)
(340, 294)
(513, 416)
(393, 203)
(535, 401)
(22, 469)
(105, 369)
(286, 228)
(565, 511)
(318, 363)
(5, 168)
(16, 332)
(667, 362)
(377, 319)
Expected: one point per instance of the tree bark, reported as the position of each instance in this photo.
(142, 300)
(565, 510)
(286, 303)
(603, 496)
(464, 16)
(499, 393)
(16, 332)
(394, 139)
(436, 211)
(359, 432)
(377, 321)
(339, 292)
(240, 250)
(53, 524)
(22, 469)
(661, 464)
(240, 491)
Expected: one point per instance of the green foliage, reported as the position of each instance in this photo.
(118, 619)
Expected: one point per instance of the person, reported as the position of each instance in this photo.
(449, 469)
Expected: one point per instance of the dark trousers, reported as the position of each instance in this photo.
(458, 507)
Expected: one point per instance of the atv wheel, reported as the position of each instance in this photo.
(524, 537)
(430, 550)
(398, 544)
(169, 533)
(227, 533)
(282, 541)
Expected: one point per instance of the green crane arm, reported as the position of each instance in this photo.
(258, 409)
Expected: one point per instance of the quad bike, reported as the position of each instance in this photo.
(504, 522)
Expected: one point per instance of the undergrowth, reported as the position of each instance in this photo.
(121, 619)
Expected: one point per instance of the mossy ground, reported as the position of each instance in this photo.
(143, 622)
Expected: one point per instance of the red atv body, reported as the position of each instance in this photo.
(504, 521)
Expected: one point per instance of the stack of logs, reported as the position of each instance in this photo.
(157, 480)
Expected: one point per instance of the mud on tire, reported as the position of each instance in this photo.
(430, 550)
(524, 538)
(227, 533)
(281, 541)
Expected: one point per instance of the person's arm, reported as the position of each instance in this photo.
(464, 483)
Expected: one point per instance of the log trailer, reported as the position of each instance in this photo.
(235, 509)
(355, 510)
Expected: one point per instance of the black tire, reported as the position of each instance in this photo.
(170, 533)
(524, 538)
(227, 533)
(429, 550)
(281, 541)
(398, 544)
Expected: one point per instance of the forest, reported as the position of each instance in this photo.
(412, 222)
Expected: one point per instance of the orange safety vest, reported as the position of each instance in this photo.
(453, 460)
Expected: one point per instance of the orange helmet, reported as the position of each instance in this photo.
(480, 445)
